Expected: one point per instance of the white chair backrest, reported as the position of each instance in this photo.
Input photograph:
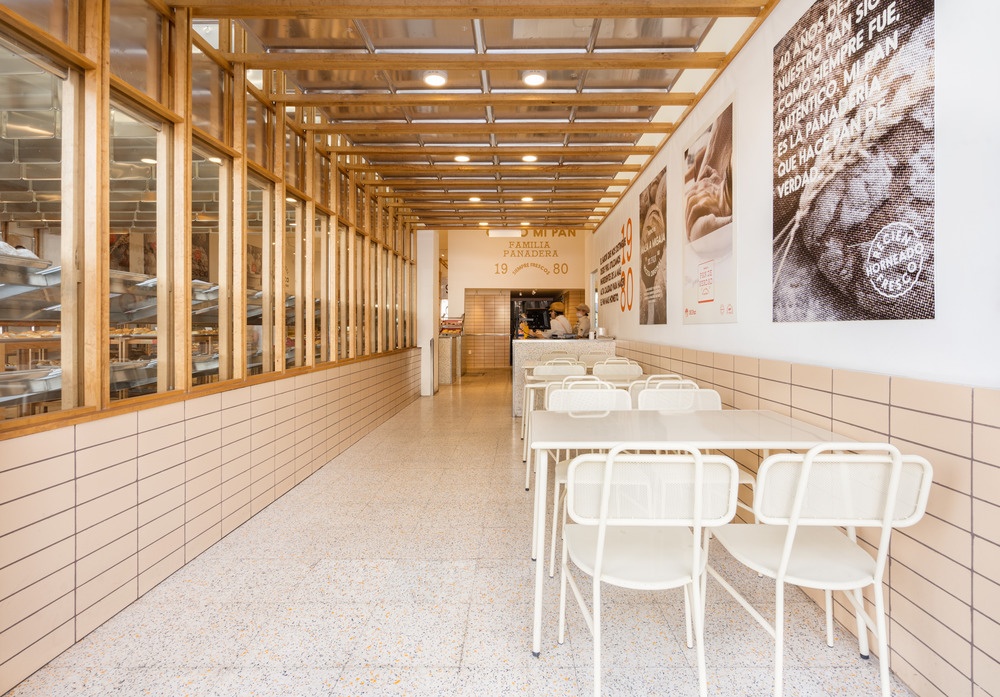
(558, 369)
(670, 379)
(556, 354)
(626, 486)
(589, 359)
(571, 382)
(585, 381)
(843, 484)
(617, 368)
(678, 399)
(612, 360)
(594, 400)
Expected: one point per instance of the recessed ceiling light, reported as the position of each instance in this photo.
(461, 158)
(525, 223)
(533, 78)
(436, 78)
(215, 160)
(475, 199)
(527, 199)
(148, 161)
(483, 223)
(530, 158)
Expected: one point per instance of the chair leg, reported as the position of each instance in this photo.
(558, 496)
(779, 637)
(687, 616)
(882, 641)
(698, 613)
(829, 617)
(527, 468)
(525, 450)
(859, 617)
(596, 613)
(562, 596)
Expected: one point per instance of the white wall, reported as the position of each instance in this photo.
(960, 344)
(542, 259)
(428, 304)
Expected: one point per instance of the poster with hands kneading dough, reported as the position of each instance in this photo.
(709, 248)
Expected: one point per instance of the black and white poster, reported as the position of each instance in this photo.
(653, 255)
(854, 163)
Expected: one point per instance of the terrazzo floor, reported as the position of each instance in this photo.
(402, 568)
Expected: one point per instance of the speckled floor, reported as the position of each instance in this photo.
(402, 568)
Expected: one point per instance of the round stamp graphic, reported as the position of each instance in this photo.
(896, 257)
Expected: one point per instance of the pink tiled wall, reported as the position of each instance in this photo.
(943, 587)
(486, 333)
(92, 516)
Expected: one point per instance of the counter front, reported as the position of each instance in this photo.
(528, 351)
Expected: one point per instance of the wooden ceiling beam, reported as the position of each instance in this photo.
(512, 206)
(413, 151)
(502, 128)
(350, 62)
(472, 99)
(521, 184)
(388, 172)
(487, 196)
(470, 9)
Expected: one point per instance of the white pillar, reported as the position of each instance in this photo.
(428, 308)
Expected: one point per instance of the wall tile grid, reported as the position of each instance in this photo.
(943, 589)
(93, 516)
(486, 330)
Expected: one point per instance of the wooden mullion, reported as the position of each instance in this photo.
(181, 228)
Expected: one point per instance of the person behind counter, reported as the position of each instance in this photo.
(583, 321)
(558, 324)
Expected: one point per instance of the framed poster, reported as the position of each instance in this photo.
(653, 252)
(709, 250)
(853, 163)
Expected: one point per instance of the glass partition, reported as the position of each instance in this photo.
(207, 250)
(320, 326)
(209, 89)
(259, 130)
(35, 350)
(292, 251)
(358, 329)
(137, 38)
(260, 275)
(136, 225)
(343, 291)
(51, 16)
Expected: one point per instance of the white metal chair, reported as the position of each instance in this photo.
(664, 397)
(674, 397)
(802, 502)
(556, 354)
(617, 369)
(589, 359)
(640, 521)
(580, 403)
(672, 379)
(546, 372)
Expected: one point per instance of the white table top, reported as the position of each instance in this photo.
(717, 430)
(729, 429)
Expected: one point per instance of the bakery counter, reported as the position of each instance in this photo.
(529, 351)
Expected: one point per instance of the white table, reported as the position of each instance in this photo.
(534, 386)
(731, 429)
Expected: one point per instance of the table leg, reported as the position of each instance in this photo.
(538, 544)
